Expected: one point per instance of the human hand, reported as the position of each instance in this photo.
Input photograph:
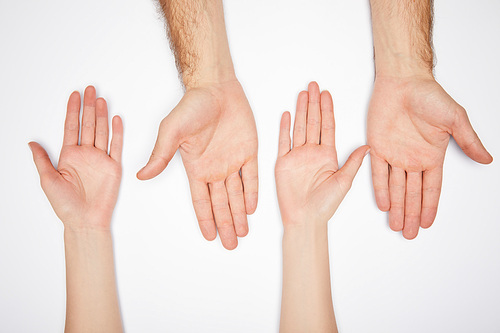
(84, 188)
(214, 128)
(409, 124)
(309, 183)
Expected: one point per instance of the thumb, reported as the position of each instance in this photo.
(467, 139)
(45, 169)
(351, 166)
(165, 148)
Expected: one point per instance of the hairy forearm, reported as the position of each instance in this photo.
(402, 37)
(92, 301)
(306, 304)
(198, 39)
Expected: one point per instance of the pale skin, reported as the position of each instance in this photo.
(83, 191)
(212, 126)
(310, 187)
(411, 117)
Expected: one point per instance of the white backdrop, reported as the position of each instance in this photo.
(169, 277)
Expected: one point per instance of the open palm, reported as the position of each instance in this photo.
(214, 128)
(409, 125)
(309, 184)
(84, 188)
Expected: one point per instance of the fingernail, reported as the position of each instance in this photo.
(366, 153)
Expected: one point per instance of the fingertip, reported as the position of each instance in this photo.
(383, 202)
(487, 158)
(230, 245)
(144, 174)
(33, 145)
(285, 119)
(210, 237)
(117, 125)
(138, 175)
(74, 101)
(90, 89)
(396, 220)
(303, 95)
(312, 85)
(410, 235)
(74, 94)
(241, 231)
(209, 233)
(428, 216)
(101, 102)
(89, 95)
(117, 118)
(395, 227)
(314, 94)
(251, 203)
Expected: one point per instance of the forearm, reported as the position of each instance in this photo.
(198, 39)
(402, 37)
(306, 304)
(92, 301)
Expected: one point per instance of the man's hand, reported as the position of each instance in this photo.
(84, 188)
(309, 184)
(410, 121)
(214, 128)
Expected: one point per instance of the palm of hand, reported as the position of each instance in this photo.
(214, 128)
(86, 187)
(219, 134)
(409, 126)
(307, 184)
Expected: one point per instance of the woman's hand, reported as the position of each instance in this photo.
(84, 188)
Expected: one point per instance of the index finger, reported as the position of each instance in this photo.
(72, 122)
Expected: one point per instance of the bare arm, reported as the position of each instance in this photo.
(402, 37)
(92, 301)
(310, 187)
(197, 34)
(411, 117)
(83, 193)
(212, 126)
(306, 304)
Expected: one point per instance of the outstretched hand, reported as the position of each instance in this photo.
(309, 183)
(84, 188)
(214, 128)
(409, 125)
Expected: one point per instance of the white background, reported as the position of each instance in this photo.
(169, 277)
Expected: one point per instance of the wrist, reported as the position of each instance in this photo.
(209, 75)
(305, 229)
(305, 237)
(86, 232)
(88, 227)
(402, 66)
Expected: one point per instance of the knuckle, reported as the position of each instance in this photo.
(88, 124)
(205, 220)
(224, 223)
(201, 202)
(313, 121)
(220, 207)
(413, 194)
(300, 128)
